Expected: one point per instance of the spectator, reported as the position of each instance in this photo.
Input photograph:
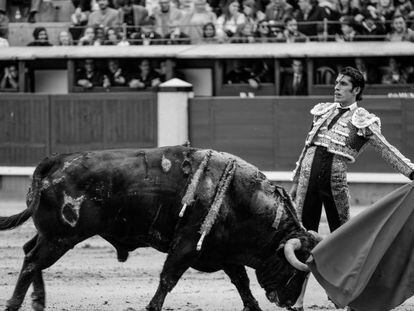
(88, 77)
(278, 10)
(346, 8)
(185, 6)
(291, 32)
(147, 35)
(295, 82)
(400, 32)
(132, 15)
(82, 6)
(231, 21)
(40, 37)
(253, 15)
(176, 36)
(111, 36)
(393, 73)
(209, 33)
(168, 70)
(64, 38)
(246, 35)
(240, 74)
(348, 32)
(165, 15)
(372, 29)
(79, 20)
(114, 75)
(4, 25)
(263, 32)
(311, 13)
(404, 8)
(100, 36)
(196, 19)
(276, 31)
(10, 78)
(147, 77)
(385, 11)
(88, 37)
(371, 75)
(105, 16)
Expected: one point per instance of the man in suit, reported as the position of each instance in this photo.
(295, 83)
(132, 15)
(339, 132)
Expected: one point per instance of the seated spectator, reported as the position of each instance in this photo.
(253, 15)
(263, 32)
(209, 33)
(168, 70)
(79, 20)
(348, 32)
(372, 29)
(400, 32)
(165, 15)
(195, 21)
(291, 32)
(276, 31)
(64, 38)
(100, 36)
(176, 36)
(311, 13)
(131, 15)
(393, 73)
(295, 82)
(10, 78)
(147, 34)
(88, 37)
(105, 16)
(261, 72)
(88, 77)
(4, 25)
(40, 37)
(4, 43)
(240, 74)
(278, 10)
(111, 37)
(114, 75)
(246, 35)
(231, 21)
(385, 11)
(404, 8)
(370, 73)
(146, 78)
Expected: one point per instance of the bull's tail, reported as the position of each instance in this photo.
(33, 198)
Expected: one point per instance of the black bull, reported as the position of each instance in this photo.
(133, 198)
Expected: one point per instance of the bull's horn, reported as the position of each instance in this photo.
(290, 247)
(316, 235)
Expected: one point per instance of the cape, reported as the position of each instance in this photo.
(368, 263)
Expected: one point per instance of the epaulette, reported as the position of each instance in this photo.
(323, 108)
(362, 118)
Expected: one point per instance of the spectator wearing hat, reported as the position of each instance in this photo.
(311, 13)
(131, 15)
(147, 34)
(278, 10)
(40, 37)
(400, 32)
(291, 32)
(348, 32)
(195, 20)
(105, 16)
(165, 15)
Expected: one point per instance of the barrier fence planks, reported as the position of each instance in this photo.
(270, 131)
(33, 126)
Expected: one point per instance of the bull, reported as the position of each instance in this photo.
(207, 210)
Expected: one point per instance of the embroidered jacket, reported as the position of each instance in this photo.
(349, 136)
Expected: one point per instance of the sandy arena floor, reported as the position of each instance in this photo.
(89, 278)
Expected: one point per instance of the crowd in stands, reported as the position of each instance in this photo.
(147, 22)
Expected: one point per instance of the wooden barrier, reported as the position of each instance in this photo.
(33, 126)
(270, 132)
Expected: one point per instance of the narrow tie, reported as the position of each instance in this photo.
(335, 119)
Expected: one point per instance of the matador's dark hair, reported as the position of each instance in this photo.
(357, 79)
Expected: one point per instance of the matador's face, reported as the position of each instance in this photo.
(345, 93)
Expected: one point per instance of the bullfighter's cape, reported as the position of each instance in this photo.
(368, 263)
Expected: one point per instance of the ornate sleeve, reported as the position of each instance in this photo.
(388, 152)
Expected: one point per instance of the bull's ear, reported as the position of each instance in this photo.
(281, 247)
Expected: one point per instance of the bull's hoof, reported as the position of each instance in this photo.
(122, 255)
(37, 306)
(252, 308)
(152, 308)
